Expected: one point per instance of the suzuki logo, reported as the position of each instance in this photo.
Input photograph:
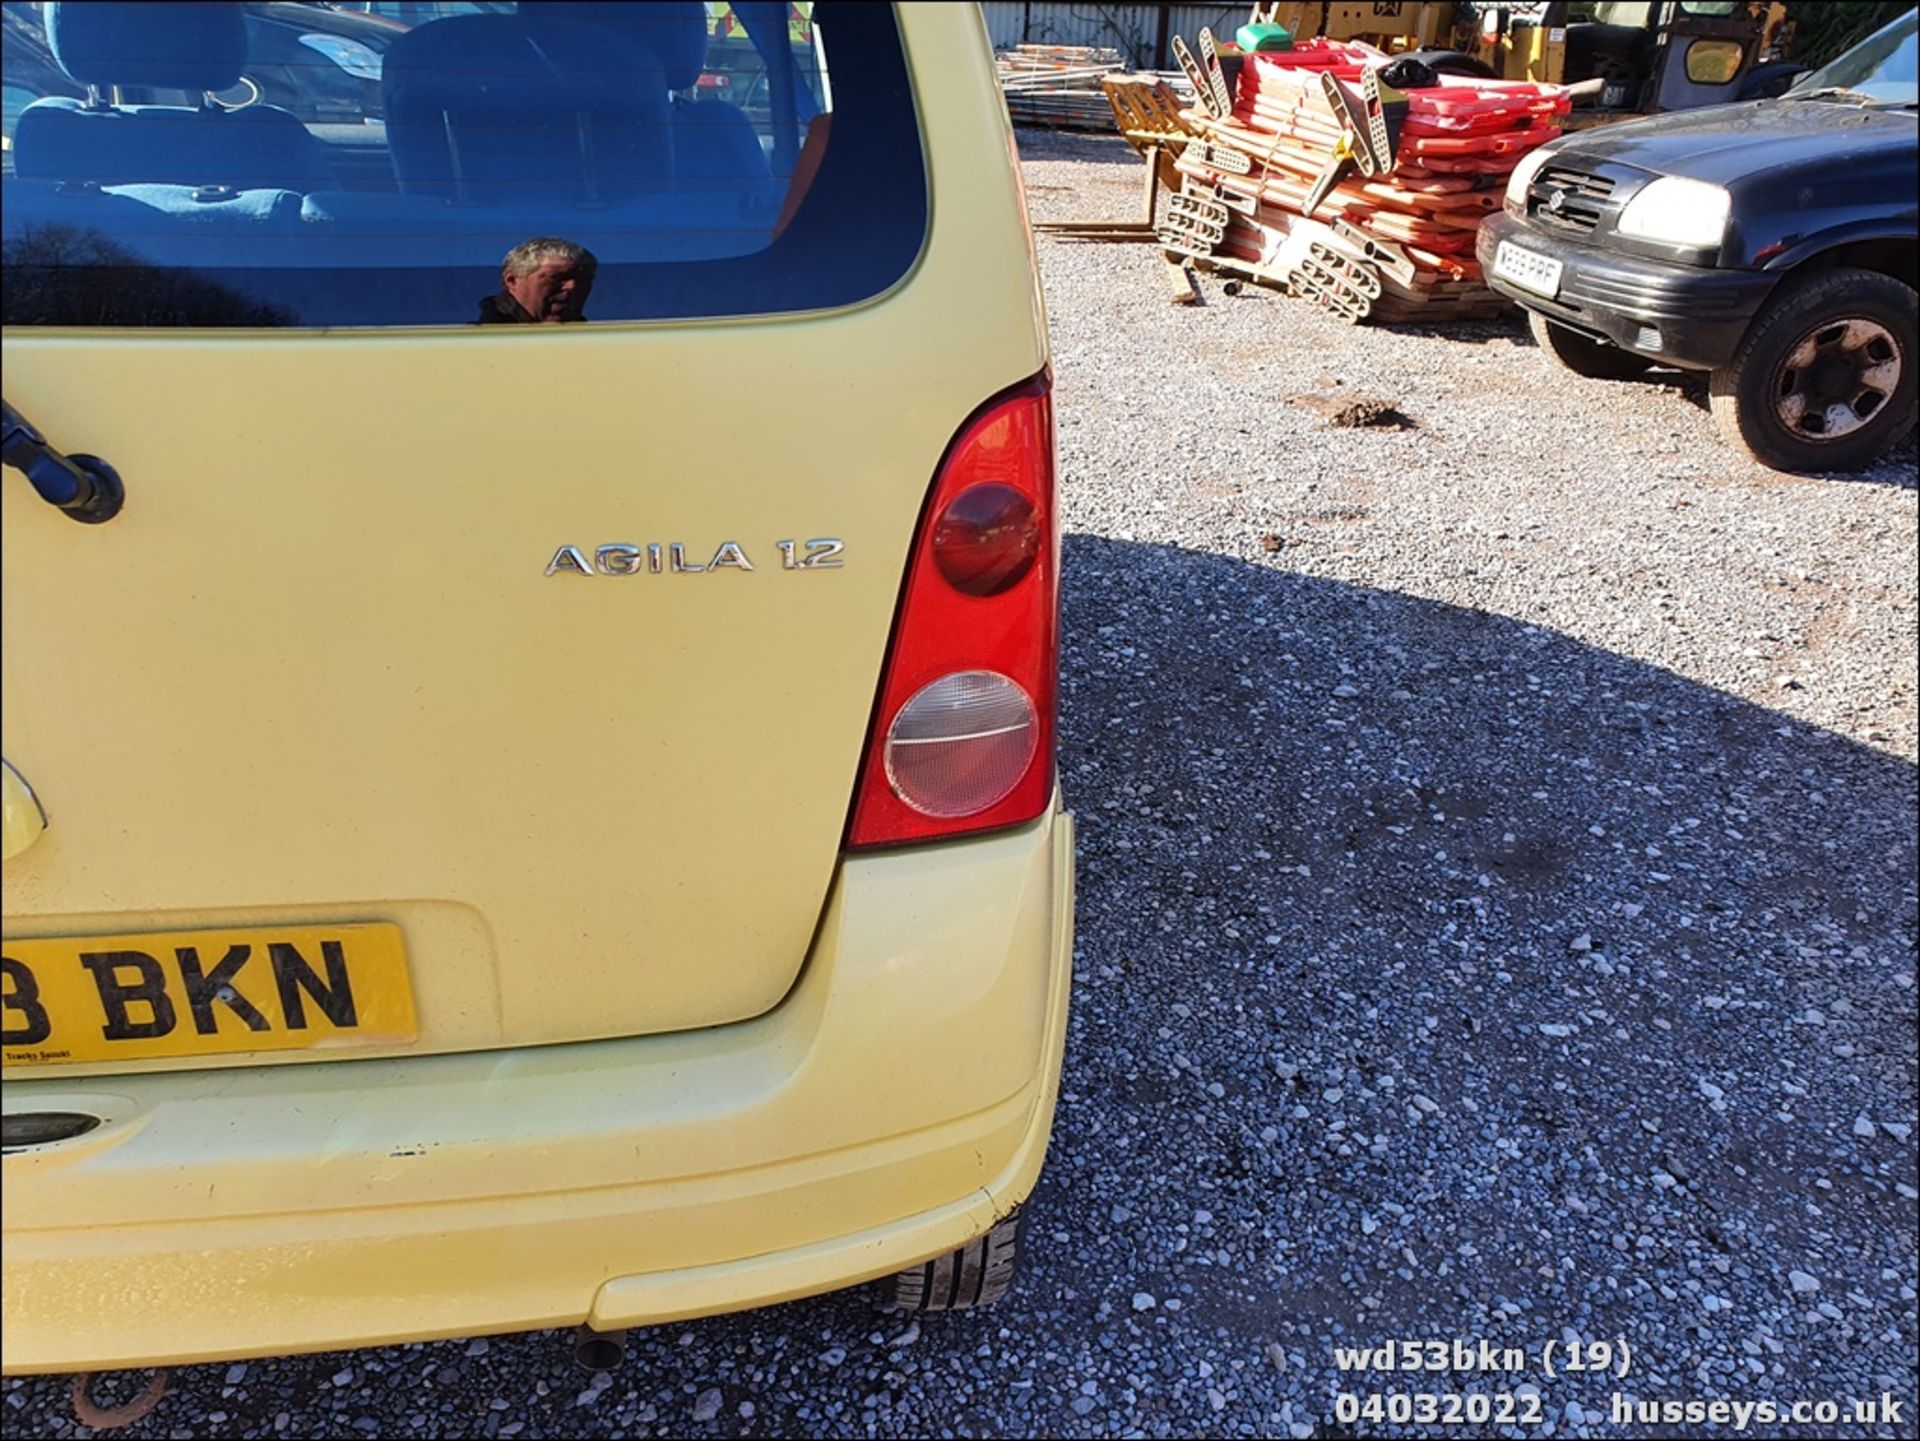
(1557, 202)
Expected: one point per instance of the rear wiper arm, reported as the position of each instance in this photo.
(85, 487)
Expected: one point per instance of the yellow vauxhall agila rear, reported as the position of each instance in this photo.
(531, 574)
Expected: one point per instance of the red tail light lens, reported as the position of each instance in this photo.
(962, 738)
(986, 539)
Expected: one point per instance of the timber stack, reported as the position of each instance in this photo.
(1350, 179)
(1058, 86)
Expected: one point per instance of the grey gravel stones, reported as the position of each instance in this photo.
(1338, 802)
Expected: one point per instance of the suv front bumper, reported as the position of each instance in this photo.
(1675, 314)
(894, 1106)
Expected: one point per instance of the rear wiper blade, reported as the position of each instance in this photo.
(84, 487)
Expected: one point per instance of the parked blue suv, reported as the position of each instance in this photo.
(1771, 243)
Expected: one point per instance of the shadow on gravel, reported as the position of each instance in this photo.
(1437, 976)
(1448, 963)
(1897, 468)
(1510, 327)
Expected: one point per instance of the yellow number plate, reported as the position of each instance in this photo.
(203, 993)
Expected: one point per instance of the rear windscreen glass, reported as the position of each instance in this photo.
(280, 164)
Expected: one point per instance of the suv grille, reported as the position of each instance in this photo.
(1568, 199)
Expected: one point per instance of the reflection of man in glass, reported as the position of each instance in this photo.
(544, 281)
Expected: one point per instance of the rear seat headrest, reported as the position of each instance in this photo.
(675, 33)
(194, 46)
(495, 102)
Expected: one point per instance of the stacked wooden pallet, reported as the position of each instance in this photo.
(1058, 85)
(1397, 244)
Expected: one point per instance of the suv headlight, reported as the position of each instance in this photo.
(1522, 177)
(1676, 211)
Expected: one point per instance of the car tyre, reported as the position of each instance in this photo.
(1825, 377)
(976, 1275)
(1583, 355)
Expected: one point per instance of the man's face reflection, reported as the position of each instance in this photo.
(552, 292)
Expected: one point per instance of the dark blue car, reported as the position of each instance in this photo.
(1771, 243)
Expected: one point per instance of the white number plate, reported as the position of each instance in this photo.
(1527, 269)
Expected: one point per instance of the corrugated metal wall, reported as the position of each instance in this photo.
(1187, 20)
(1137, 31)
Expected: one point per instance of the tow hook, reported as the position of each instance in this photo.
(112, 1418)
(599, 1350)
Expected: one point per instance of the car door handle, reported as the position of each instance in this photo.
(82, 486)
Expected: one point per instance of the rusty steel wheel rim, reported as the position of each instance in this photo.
(1837, 378)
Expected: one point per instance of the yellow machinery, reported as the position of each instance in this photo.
(1624, 58)
(1391, 27)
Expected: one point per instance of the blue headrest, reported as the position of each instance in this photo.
(195, 46)
(675, 33)
(500, 99)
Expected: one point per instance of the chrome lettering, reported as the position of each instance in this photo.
(617, 559)
(568, 561)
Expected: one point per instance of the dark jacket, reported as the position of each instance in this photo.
(503, 309)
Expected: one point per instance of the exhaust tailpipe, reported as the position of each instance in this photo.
(599, 1350)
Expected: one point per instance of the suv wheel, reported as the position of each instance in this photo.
(1594, 359)
(1825, 377)
(978, 1274)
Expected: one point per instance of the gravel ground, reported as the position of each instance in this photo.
(1497, 920)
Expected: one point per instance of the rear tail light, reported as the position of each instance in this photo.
(961, 743)
(962, 737)
(987, 538)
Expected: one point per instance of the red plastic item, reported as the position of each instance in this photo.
(1509, 142)
(1459, 139)
(942, 627)
(1461, 103)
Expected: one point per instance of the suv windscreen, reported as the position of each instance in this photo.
(1884, 67)
(282, 164)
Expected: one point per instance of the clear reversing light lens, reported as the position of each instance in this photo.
(961, 743)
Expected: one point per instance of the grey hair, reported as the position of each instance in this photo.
(530, 255)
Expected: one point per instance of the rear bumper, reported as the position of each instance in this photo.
(1699, 315)
(891, 1108)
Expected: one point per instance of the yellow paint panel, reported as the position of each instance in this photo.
(24, 820)
(199, 993)
(338, 681)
